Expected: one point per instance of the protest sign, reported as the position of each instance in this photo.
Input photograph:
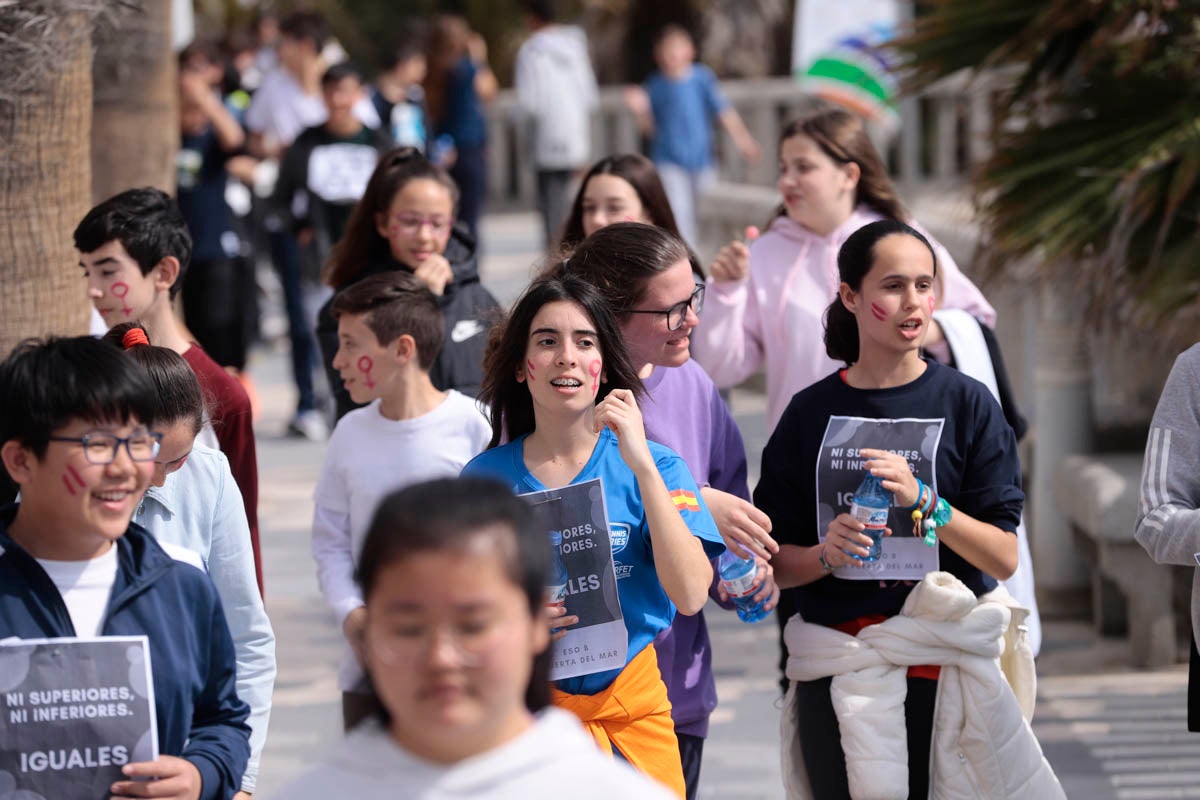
(72, 713)
(840, 469)
(599, 641)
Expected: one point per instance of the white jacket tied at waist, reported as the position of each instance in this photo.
(982, 745)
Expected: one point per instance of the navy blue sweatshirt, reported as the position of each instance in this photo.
(961, 434)
(175, 605)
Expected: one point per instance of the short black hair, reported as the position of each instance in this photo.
(397, 303)
(544, 10)
(148, 225)
(339, 72)
(306, 25)
(46, 383)
(407, 45)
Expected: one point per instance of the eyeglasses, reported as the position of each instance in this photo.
(412, 644)
(411, 224)
(101, 448)
(677, 313)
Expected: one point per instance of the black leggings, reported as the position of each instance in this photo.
(821, 741)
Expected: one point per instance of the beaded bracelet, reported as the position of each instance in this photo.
(915, 508)
(942, 513)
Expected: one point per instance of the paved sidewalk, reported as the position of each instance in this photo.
(1110, 732)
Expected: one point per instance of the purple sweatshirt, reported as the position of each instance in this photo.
(683, 411)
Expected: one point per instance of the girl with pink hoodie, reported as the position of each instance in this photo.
(766, 301)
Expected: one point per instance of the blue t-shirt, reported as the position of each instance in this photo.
(644, 602)
(200, 178)
(684, 111)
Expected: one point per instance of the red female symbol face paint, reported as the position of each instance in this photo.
(119, 290)
(878, 312)
(72, 477)
(365, 365)
(594, 371)
(529, 367)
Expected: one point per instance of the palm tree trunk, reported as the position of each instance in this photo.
(135, 124)
(45, 178)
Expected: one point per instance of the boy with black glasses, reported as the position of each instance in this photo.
(76, 436)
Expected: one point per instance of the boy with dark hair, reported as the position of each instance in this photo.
(75, 436)
(325, 171)
(390, 329)
(134, 249)
(398, 94)
(288, 101)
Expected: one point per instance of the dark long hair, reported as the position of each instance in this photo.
(842, 136)
(855, 260)
(177, 391)
(620, 259)
(449, 514)
(361, 245)
(639, 172)
(509, 400)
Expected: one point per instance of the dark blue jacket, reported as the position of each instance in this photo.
(200, 717)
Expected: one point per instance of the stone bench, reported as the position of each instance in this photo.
(1099, 496)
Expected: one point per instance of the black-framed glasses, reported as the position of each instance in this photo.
(677, 313)
(101, 448)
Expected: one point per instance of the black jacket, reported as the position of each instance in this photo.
(469, 310)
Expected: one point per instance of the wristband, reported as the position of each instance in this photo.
(920, 497)
(825, 565)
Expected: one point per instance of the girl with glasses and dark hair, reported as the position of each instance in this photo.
(648, 275)
(406, 221)
(875, 646)
(193, 505)
(453, 572)
(562, 390)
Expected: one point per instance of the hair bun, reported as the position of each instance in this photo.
(134, 336)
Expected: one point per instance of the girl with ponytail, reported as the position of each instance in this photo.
(194, 510)
(944, 453)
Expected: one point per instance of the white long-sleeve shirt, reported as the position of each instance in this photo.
(369, 457)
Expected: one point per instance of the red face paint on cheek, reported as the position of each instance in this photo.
(594, 371)
(529, 367)
(71, 478)
(119, 290)
(932, 302)
(878, 312)
(365, 365)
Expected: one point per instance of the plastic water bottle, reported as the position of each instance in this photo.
(737, 578)
(556, 575)
(870, 506)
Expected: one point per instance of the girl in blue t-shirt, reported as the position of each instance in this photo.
(940, 444)
(562, 392)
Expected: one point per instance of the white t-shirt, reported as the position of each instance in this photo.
(554, 758)
(85, 587)
(369, 457)
(280, 110)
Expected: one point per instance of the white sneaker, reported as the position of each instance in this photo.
(309, 425)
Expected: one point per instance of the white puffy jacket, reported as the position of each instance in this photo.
(982, 746)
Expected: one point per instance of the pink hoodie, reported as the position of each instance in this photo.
(777, 312)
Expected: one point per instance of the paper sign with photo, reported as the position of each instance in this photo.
(599, 641)
(72, 713)
(840, 469)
